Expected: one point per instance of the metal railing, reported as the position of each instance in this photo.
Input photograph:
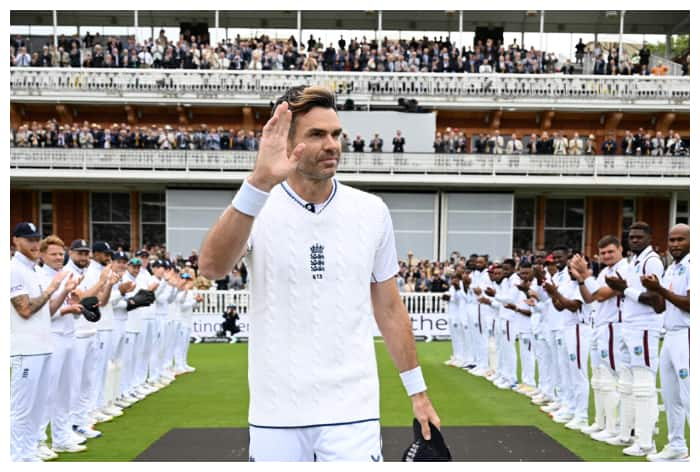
(215, 302)
(383, 163)
(674, 68)
(235, 86)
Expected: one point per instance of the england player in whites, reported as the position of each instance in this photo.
(30, 343)
(675, 353)
(322, 258)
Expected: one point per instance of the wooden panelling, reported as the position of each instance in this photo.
(71, 214)
(24, 206)
(603, 217)
(655, 212)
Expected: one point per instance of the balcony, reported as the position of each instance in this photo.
(387, 169)
(444, 91)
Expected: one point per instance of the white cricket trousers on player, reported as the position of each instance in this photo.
(560, 357)
(155, 364)
(527, 358)
(508, 360)
(144, 348)
(674, 366)
(182, 344)
(543, 356)
(470, 334)
(104, 352)
(357, 442)
(127, 377)
(84, 367)
(577, 340)
(171, 330)
(28, 400)
(61, 378)
(456, 335)
(481, 340)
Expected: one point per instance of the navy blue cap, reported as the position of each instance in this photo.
(79, 245)
(142, 253)
(26, 230)
(101, 246)
(120, 255)
(167, 264)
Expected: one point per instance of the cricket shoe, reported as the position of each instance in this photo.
(99, 417)
(77, 438)
(620, 441)
(44, 453)
(594, 428)
(669, 454)
(87, 431)
(551, 407)
(603, 436)
(69, 448)
(112, 410)
(577, 424)
(639, 451)
(540, 399)
(563, 417)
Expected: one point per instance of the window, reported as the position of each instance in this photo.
(524, 225)
(152, 219)
(110, 214)
(683, 211)
(46, 214)
(563, 223)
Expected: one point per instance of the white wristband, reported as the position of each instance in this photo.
(249, 200)
(413, 381)
(591, 284)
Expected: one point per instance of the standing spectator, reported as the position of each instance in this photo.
(591, 148)
(532, 144)
(657, 145)
(23, 58)
(376, 144)
(514, 146)
(576, 145)
(438, 144)
(398, 142)
(358, 145)
(498, 145)
(629, 143)
(546, 144)
(580, 48)
(344, 143)
(644, 54)
(560, 144)
(610, 146)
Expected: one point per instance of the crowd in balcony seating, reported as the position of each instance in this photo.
(452, 140)
(642, 143)
(123, 136)
(264, 53)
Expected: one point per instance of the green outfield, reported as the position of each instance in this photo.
(216, 395)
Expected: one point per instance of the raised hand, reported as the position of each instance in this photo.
(72, 282)
(650, 282)
(275, 160)
(57, 280)
(490, 292)
(114, 278)
(127, 287)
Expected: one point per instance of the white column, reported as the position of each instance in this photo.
(299, 27)
(622, 29)
(667, 51)
(673, 210)
(542, 30)
(216, 28)
(379, 29)
(136, 26)
(461, 29)
(55, 35)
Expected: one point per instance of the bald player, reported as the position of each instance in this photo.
(674, 366)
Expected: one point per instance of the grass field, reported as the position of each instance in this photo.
(216, 395)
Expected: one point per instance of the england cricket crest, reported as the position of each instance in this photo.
(317, 261)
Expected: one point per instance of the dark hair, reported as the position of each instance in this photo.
(561, 248)
(525, 264)
(510, 262)
(302, 99)
(642, 226)
(607, 241)
(473, 256)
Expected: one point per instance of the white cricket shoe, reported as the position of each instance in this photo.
(620, 441)
(87, 431)
(141, 391)
(490, 375)
(563, 417)
(44, 453)
(533, 393)
(594, 428)
(478, 372)
(639, 451)
(112, 410)
(189, 368)
(577, 424)
(77, 438)
(551, 407)
(603, 436)
(122, 403)
(669, 454)
(70, 448)
(541, 400)
(449, 361)
(99, 417)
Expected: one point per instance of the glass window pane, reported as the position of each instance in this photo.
(682, 219)
(574, 213)
(524, 212)
(554, 214)
(153, 234)
(100, 206)
(682, 206)
(628, 208)
(120, 210)
(114, 234)
(523, 240)
(571, 238)
(151, 212)
(46, 198)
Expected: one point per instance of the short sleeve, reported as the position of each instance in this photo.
(18, 285)
(385, 258)
(654, 266)
(574, 292)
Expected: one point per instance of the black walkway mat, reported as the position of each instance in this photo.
(473, 443)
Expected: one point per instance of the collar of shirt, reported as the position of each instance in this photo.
(684, 261)
(71, 265)
(48, 270)
(318, 207)
(131, 277)
(25, 260)
(642, 254)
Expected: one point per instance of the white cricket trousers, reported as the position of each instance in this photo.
(144, 348)
(171, 330)
(104, 354)
(84, 367)
(481, 340)
(543, 358)
(508, 360)
(357, 442)
(577, 339)
(61, 379)
(127, 374)
(527, 358)
(675, 384)
(182, 344)
(29, 392)
(155, 364)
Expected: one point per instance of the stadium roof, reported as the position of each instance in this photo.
(555, 21)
